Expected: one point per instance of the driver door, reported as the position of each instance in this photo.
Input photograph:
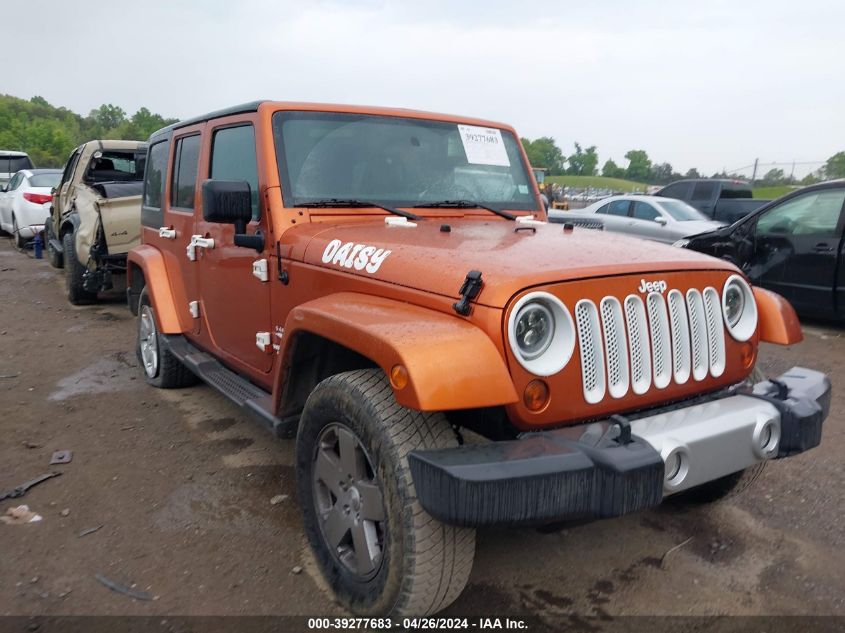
(796, 247)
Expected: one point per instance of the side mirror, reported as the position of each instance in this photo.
(660, 220)
(230, 202)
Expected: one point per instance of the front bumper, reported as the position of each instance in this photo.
(596, 470)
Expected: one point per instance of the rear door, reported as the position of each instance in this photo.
(614, 215)
(797, 245)
(235, 302)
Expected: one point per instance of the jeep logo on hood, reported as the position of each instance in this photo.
(652, 286)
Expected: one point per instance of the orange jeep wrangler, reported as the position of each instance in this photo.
(382, 285)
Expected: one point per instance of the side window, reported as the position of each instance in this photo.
(604, 209)
(184, 180)
(703, 191)
(67, 174)
(233, 158)
(15, 182)
(816, 213)
(675, 191)
(619, 207)
(154, 175)
(644, 211)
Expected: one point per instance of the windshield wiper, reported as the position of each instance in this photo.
(354, 203)
(464, 204)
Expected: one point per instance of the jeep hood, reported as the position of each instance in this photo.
(429, 258)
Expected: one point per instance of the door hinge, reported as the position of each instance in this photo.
(198, 241)
(167, 233)
(194, 309)
(262, 341)
(259, 270)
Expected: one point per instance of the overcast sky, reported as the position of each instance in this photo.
(698, 84)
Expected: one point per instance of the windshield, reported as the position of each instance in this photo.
(681, 211)
(45, 180)
(397, 161)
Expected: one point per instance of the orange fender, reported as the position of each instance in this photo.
(151, 262)
(777, 321)
(451, 363)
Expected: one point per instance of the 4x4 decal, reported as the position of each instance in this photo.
(357, 256)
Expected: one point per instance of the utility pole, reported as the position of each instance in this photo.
(754, 173)
(792, 173)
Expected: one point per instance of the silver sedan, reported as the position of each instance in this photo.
(660, 219)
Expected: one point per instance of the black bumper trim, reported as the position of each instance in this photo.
(542, 478)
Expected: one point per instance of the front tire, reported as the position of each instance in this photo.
(379, 551)
(20, 243)
(161, 368)
(74, 274)
(54, 256)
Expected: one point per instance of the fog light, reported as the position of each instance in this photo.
(673, 466)
(536, 395)
(399, 377)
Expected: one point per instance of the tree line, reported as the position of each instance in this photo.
(49, 133)
(544, 152)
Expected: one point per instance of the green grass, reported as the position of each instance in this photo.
(770, 193)
(598, 182)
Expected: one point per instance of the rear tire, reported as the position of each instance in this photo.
(54, 256)
(411, 563)
(161, 368)
(74, 274)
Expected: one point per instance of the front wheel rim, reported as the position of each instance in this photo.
(148, 342)
(349, 501)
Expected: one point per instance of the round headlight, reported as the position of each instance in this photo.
(734, 304)
(739, 308)
(541, 333)
(535, 327)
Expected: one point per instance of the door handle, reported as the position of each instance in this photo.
(822, 247)
(198, 241)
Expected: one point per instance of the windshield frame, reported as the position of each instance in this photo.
(279, 117)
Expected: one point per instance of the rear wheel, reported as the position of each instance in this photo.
(380, 552)
(161, 368)
(75, 274)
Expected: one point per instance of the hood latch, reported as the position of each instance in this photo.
(469, 291)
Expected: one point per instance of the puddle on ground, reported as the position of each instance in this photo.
(107, 375)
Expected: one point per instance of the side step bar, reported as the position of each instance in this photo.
(249, 397)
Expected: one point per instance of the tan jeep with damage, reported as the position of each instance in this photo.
(95, 217)
(383, 286)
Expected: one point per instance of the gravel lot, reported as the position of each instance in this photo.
(181, 485)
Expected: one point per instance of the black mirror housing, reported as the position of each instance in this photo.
(227, 202)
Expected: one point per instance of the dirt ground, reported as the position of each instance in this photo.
(181, 484)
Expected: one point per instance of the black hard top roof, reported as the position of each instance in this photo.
(252, 106)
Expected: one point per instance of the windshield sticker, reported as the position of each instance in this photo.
(357, 256)
(523, 188)
(484, 145)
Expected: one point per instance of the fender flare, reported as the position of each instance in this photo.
(151, 262)
(71, 219)
(776, 322)
(451, 363)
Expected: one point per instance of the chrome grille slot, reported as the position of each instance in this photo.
(592, 350)
(698, 335)
(616, 349)
(715, 331)
(638, 344)
(649, 342)
(680, 337)
(661, 348)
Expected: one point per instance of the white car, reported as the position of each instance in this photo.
(650, 217)
(24, 203)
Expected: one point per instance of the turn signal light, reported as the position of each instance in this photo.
(399, 377)
(536, 395)
(748, 355)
